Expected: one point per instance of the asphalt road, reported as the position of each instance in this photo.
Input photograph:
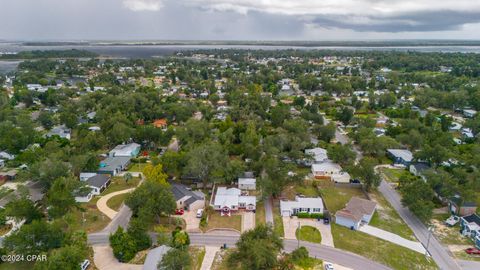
(330, 254)
(121, 219)
(269, 211)
(437, 251)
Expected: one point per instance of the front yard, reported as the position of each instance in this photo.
(260, 213)
(87, 218)
(335, 198)
(448, 235)
(392, 175)
(384, 252)
(277, 218)
(387, 218)
(116, 201)
(308, 234)
(216, 221)
(118, 183)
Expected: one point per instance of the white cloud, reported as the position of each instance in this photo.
(143, 5)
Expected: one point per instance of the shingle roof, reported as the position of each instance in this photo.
(179, 191)
(98, 180)
(356, 208)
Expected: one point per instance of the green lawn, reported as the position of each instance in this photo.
(260, 214)
(309, 264)
(309, 234)
(118, 183)
(216, 221)
(87, 218)
(335, 198)
(277, 218)
(392, 175)
(116, 201)
(387, 218)
(197, 254)
(384, 252)
(137, 167)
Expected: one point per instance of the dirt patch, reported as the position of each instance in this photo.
(456, 248)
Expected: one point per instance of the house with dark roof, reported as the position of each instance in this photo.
(99, 183)
(114, 165)
(356, 212)
(458, 206)
(418, 168)
(186, 198)
(470, 227)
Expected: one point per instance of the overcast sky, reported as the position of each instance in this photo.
(239, 19)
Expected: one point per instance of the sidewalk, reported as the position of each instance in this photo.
(209, 257)
(393, 238)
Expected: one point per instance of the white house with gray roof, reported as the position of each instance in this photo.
(301, 205)
(229, 200)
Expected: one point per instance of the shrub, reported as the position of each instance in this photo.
(307, 215)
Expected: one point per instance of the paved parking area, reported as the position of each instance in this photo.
(393, 238)
(191, 221)
(248, 221)
(291, 224)
(104, 260)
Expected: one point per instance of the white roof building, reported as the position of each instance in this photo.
(247, 183)
(326, 168)
(125, 150)
(231, 199)
(301, 205)
(319, 154)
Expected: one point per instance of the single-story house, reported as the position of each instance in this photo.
(331, 171)
(8, 176)
(356, 212)
(83, 195)
(85, 175)
(458, 207)
(125, 150)
(186, 198)
(418, 168)
(114, 165)
(247, 183)
(154, 257)
(6, 156)
(318, 154)
(231, 199)
(301, 205)
(469, 113)
(98, 183)
(60, 131)
(400, 156)
(470, 227)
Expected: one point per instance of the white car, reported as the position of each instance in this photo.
(199, 213)
(85, 264)
(329, 266)
(452, 220)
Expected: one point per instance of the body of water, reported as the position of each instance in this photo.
(148, 51)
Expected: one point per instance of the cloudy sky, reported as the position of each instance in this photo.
(239, 19)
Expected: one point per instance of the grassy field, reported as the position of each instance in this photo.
(260, 214)
(384, 252)
(277, 218)
(137, 167)
(197, 254)
(307, 189)
(215, 221)
(392, 175)
(335, 198)
(88, 218)
(116, 201)
(309, 234)
(387, 218)
(118, 183)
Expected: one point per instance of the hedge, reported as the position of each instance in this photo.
(307, 215)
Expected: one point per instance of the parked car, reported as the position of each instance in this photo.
(329, 266)
(452, 220)
(472, 251)
(179, 212)
(200, 213)
(326, 221)
(85, 264)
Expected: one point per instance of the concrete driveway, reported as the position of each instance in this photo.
(248, 221)
(104, 260)
(191, 221)
(102, 202)
(291, 224)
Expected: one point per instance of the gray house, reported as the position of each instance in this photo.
(114, 165)
(186, 198)
(356, 212)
